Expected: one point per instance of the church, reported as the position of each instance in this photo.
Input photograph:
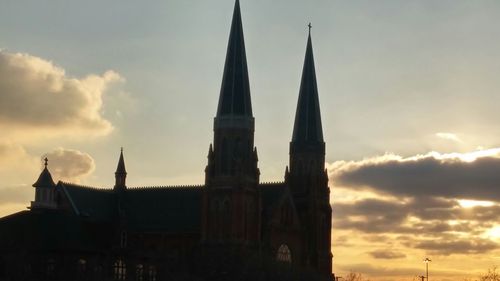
(233, 227)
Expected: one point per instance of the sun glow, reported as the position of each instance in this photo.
(464, 203)
(494, 232)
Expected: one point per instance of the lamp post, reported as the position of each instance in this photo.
(427, 260)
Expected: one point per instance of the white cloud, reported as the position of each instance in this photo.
(70, 165)
(39, 98)
(449, 136)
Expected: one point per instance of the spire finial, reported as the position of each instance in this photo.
(121, 149)
(46, 161)
(310, 26)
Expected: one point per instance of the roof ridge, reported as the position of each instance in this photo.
(271, 182)
(192, 186)
(85, 186)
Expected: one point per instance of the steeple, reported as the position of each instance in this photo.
(307, 177)
(307, 128)
(121, 173)
(234, 99)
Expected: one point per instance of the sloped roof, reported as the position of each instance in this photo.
(96, 204)
(168, 209)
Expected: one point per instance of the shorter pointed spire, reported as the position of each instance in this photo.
(121, 172)
(120, 169)
(307, 127)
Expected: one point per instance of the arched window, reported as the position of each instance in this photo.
(81, 266)
(284, 254)
(152, 273)
(119, 270)
(139, 272)
(51, 268)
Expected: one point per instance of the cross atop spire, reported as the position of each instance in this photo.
(45, 178)
(310, 26)
(234, 99)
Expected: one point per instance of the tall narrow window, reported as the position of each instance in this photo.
(214, 218)
(123, 239)
(139, 272)
(119, 270)
(81, 266)
(225, 157)
(152, 273)
(51, 268)
(226, 214)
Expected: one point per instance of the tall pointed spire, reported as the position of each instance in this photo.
(234, 96)
(121, 173)
(307, 127)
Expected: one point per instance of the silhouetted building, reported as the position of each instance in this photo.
(231, 228)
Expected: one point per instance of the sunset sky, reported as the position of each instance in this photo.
(409, 93)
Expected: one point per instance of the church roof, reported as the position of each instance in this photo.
(169, 209)
(307, 127)
(96, 204)
(234, 96)
(174, 209)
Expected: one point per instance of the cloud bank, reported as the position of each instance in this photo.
(37, 95)
(417, 202)
(473, 175)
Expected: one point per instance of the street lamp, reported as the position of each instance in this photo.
(427, 260)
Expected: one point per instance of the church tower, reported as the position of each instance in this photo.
(230, 197)
(307, 177)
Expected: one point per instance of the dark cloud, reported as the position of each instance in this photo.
(387, 254)
(432, 175)
(438, 226)
(36, 94)
(457, 246)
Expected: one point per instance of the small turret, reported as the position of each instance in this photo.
(45, 190)
(121, 173)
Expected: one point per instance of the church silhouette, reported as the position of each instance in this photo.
(231, 228)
